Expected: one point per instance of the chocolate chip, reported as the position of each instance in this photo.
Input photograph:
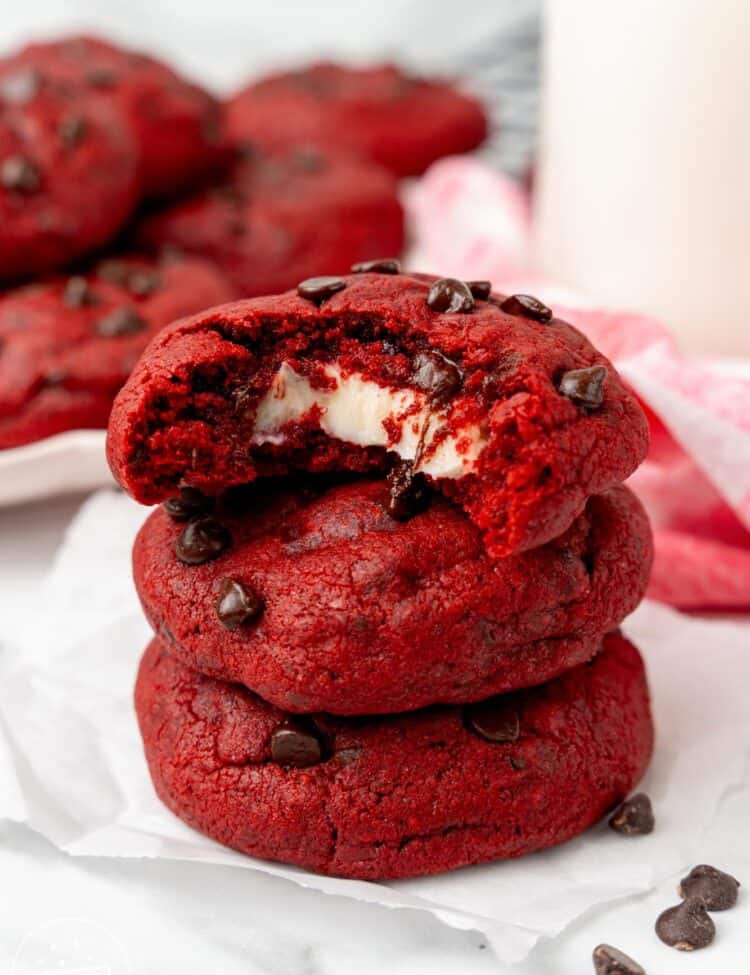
(142, 282)
(190, 503)
(408, 493)
(687, 927)
(717, 890)
(437, 375)
(19, 173)
(78, 293)
(101, 77)
(634, 817)
(202, 540)
(72, 130)
(114, 271)
(612, 961)
(450, 295)
(481, 290)
(318, 289)
(309, 159)
(238, 604)
(495, 719)
(20, 87)
(585, 387)
(294, 743)
(120, 321)
(526, 306)
(386, 265)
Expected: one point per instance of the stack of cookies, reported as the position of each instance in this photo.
(387, 573)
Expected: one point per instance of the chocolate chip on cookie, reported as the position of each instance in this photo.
(295, 744)
(408, 493)
(495, 720)
(189, 503)
(238, 604)
(72, 130)
(526, 306)
(120, 321)
(78, 293)
(319, 289)
(481, 290)
(437, 375)
(387, 265)
(450, 295)
(19, 173)
(585, 387)
(201, 541)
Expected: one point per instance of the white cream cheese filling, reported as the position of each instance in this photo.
(360, 412)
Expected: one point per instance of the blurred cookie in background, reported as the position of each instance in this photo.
(282, 217)
(402, 122)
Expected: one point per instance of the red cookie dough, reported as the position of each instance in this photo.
(517, 420)
(282, 218)
(402, 122)
(397, 796)
(68, 177)
(177, 125)
(67, 344)
(353, 612)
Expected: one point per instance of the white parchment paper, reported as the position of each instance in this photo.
(71, 765)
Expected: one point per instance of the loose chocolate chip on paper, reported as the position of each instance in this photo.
(437, 375)
(450, 295)
(72, 130)
(21, 86)
(408, 493)
(201, 541)
(585, 387)
(612, 961)
(318, 289)
(19, 173)
(496, 719)
(687, 927)
(238, 604)
(78, 293)
(385, 265)
(480, 289)
(717, 890)
(120, 321)
(189, 503)
(635, 817)
(526, 306)
(295, 744)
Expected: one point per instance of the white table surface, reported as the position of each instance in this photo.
(159, 915)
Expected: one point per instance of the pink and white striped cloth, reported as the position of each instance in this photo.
(472, 222)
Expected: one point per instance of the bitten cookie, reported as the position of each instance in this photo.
(281, 218)
(398, 796)
(322, 600)
(177, 125)
(68, 176)
(505, 409)
(402, 122)
(67, 344)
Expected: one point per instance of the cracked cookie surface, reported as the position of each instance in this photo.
(402, 795)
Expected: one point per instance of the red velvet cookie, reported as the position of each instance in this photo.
(177, 125)
(506, 410)
(67, 344)
(326, 602)
(282, 218)
(405, 123)
(397, 796)
(68, 176)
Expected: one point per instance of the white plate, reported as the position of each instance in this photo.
(71, 461)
